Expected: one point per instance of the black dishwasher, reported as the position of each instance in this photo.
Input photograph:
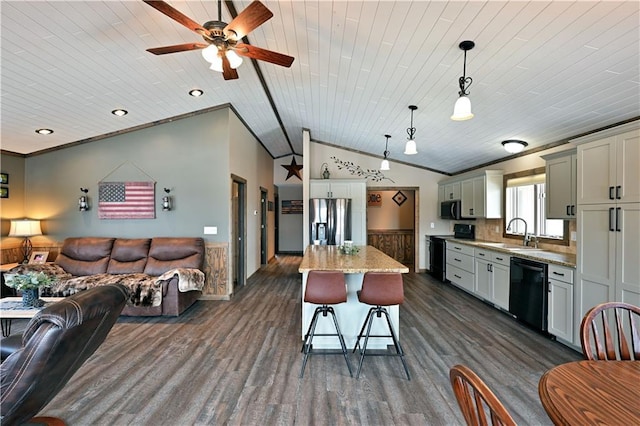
(528, 292)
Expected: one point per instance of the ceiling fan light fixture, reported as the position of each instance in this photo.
(234, 59)
(210, 54)
(410, 147)
(462, 108)
(216, 65)
(514, 146)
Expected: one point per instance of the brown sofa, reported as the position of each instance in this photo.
(152, 269)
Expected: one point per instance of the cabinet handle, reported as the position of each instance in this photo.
(457, 260)
(568, 210)
(618, 218)
(573, 210)
(499, 258)
(457, 276)
(457, 248)
(558, 273)
(611, 219)
(488, 270)
(490, 267)
(611, 193)
(481, 254)
(618, 188)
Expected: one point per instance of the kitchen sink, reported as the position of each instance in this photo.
(510, 247)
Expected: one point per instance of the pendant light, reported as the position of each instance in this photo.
(462, 108)
(410, 147)
(385, 163)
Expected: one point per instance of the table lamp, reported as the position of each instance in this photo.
(25, 228)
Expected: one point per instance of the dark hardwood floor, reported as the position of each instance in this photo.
(237, 362)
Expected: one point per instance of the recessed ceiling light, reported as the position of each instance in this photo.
(119, 112)
(196, 92)
(44, 131)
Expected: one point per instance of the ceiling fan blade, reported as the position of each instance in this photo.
(177, 48)
(248, 20)
(227, 72)
(264, 55)
(179, 17)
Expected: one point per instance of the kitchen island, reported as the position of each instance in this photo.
(351, 314)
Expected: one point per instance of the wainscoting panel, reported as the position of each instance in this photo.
(397, 244)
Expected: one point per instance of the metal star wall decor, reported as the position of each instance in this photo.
(293, 169)
(374, 175)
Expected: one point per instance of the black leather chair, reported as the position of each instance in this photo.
(55, 343)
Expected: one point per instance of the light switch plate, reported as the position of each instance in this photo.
(210, 230)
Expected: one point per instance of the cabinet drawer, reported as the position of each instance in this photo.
(493, 256)
(460, 248)
(560, 273)
(460, 260)
(460, 277)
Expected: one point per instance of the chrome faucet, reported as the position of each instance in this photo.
(525, 241)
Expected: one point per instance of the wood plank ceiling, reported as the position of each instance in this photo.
(542, 72)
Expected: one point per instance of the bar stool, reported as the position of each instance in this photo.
(324, 288)
(380, 289)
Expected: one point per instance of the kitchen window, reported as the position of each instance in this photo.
(525, 198)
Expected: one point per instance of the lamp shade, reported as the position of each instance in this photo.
(462, 109)
(384, 165)
(410, 148)
(514, 146)
(234, 60)
(25, 228)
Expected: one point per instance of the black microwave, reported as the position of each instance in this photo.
(450, 209)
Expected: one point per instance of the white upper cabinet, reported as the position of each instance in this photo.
(561, 184)
(327, 188)
(480, 193)
(609, 170)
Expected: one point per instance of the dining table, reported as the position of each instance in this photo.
(592, 392)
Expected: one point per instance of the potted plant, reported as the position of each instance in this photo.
(29, 284)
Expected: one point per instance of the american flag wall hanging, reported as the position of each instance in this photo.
(126, 200)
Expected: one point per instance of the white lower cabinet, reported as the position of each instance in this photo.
(492, 277)
(560, 302)
(460, 267)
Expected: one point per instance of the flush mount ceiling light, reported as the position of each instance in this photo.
(385, 163)
(410, 147)
(196, 93)
(119, 112)
(513, 146)
(44, 131)
(462, 108)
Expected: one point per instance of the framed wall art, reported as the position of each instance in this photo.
(4, 192)
(4, 178)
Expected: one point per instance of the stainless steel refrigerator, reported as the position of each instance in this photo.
(330, 221)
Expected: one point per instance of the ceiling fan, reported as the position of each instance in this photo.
(223, 45)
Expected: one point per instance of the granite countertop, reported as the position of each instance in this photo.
(329, 258)
(541, 255)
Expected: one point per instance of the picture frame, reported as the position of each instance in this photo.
(38, 257)
(4, 192)
(4, 178)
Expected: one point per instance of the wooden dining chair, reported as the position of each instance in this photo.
(609, 332)
(477, 402)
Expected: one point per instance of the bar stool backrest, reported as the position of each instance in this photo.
(325, 288)
(382, 289)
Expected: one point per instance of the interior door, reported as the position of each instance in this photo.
(238, 246)
(263, 226)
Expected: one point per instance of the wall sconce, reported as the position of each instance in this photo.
(166, 201)
(83, 201)
(25, 228)
(325, 171)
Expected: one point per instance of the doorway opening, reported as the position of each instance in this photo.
(238, 231)
(264, 194)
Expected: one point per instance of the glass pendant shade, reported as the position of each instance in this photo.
(410, 148)
(462, 109)
(210, 54)
(234, 59)
(384, 165)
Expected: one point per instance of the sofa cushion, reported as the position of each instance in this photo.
(129, 256)
(170, 253)
(85, 255)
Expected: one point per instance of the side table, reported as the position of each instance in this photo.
(11, 308)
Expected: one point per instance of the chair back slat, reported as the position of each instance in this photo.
(606, 337)
(476, 400)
